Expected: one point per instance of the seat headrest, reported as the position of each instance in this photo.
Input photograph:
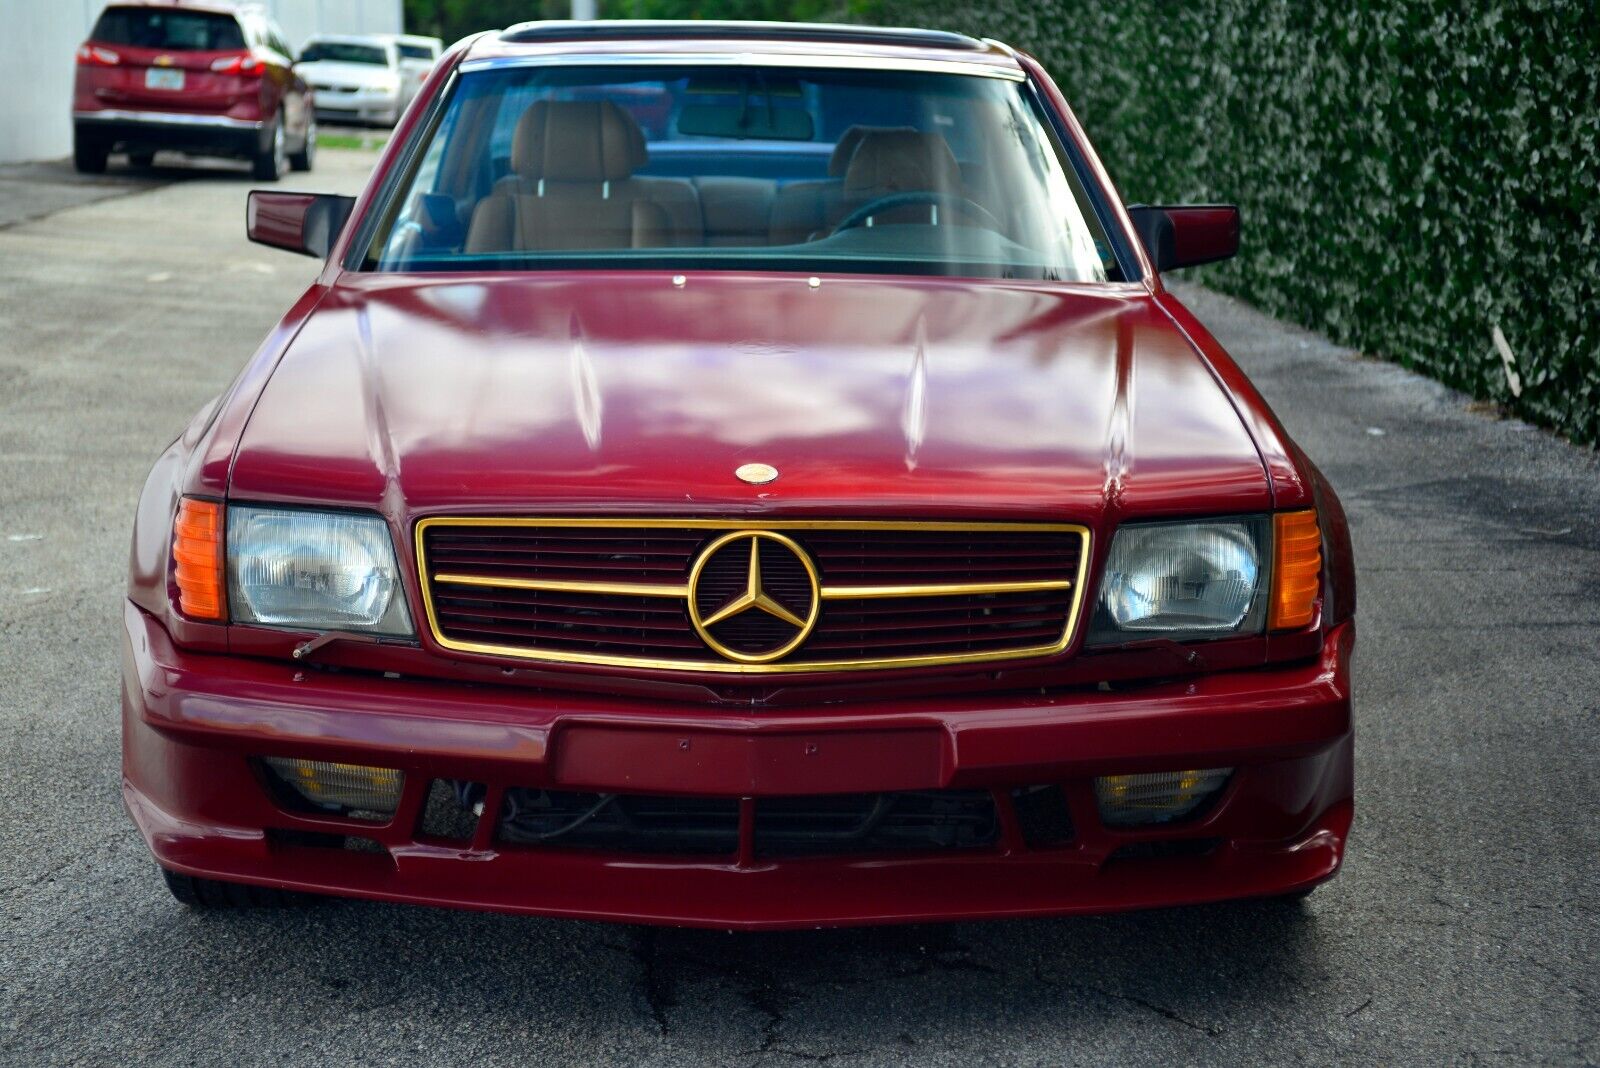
(577, 141)
(899, 161)
(850, 140)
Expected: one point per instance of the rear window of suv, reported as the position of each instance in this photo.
(169, 31)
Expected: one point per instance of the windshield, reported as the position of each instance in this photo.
(749, 168)
(341, 52)
(412, 51)
(169, 31)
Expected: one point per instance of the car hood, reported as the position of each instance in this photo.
(630, 392)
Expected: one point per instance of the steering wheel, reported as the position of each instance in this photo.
(892, 201)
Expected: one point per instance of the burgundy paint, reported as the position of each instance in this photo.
(278, 219)
(1203, 233)
(423, 395)
(192, 721)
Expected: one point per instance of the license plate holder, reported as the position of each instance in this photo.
(633, 760)
(163, 78)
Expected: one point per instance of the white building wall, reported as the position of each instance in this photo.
(302, 18)
(40, 38)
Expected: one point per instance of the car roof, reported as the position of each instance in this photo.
(381, 40)
(209, 7)
(824, 43)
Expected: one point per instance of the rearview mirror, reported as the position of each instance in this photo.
(307, 223)
(1186, 235)
(739, 121)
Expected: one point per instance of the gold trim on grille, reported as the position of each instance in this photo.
(755, 526)
(615, 589)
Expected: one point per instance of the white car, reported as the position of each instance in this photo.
(356, 79)
(417, 57)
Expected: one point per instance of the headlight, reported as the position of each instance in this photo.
(314, 570)
(1183, 580)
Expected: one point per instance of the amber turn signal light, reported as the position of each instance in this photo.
(197, 556)
(1296, 569)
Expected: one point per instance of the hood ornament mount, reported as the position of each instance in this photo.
(756, 474)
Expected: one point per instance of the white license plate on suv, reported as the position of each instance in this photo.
(163, 78)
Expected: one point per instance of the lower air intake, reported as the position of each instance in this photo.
(929, 820)
(835, 824)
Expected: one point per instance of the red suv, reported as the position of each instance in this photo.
(207, 79)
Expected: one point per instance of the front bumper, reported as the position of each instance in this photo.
(198, 134)
(194, 723)
(378, 107)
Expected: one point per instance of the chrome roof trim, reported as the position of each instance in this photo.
(567, 30)
(814, 61)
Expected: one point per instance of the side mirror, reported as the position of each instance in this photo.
(1187, 235)
(307, 223)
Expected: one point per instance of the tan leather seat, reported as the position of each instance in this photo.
(572, 187)
(898, 159)
(802, 209)
(678, 197)
(901, 161)
(737, 210)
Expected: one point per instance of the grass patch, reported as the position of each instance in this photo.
(345, 140)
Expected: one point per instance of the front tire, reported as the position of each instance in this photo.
(89, 154)
(197, 893)
(304, 159)
(271, 162)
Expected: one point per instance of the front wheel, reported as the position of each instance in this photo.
(271, 162)
(199, 893)
(307, 156)
(89, 154)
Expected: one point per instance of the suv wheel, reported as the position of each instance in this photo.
(303, 159)
(89, 154)
(216, 894)
(142, 160)
(274, 160)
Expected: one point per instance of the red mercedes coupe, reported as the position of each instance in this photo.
(744, 476)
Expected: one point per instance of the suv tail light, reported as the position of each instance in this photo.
(244, 63)
(95, 56)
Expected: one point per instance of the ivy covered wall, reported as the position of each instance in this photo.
(1412, 173)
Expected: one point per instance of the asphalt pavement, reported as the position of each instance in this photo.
(1462, 931)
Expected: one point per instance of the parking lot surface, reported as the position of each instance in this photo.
(1463, 930)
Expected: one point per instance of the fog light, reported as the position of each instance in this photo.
(340, 786)
(1133, 800)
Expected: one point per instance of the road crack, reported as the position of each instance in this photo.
(654, 982)
(1209, 1030)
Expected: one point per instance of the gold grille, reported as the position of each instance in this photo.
(751, 597)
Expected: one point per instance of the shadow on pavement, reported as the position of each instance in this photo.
(806, 994)
(30, 191)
